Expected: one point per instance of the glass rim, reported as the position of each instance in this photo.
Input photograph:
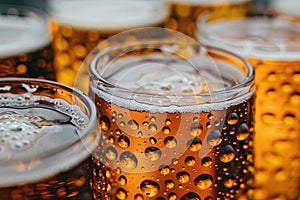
(247, 81)
(248, 48)
(209, 2)
(55, 155)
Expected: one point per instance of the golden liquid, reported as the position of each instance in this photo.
(183, 16)
(71, 46)
(176, 155)
(277, 139)
(36, 64)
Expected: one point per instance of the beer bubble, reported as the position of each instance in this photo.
(196, 130)
(194, 144)
(104, 123)
(243, 132)
(111, 153)
(191, 196)
(166, 130)
(183, 177)
(128, 160)
(153, 153)
(227, 154)
(214, 138)
(204, 181)
(206, 162)
(169, 184)
(121, 194)
(123, 141)
(232, 119)
(133, 125)
(190, 161)
(149, 188)
(164, 169)
(138, 197)
(170, 142)
(122, 180)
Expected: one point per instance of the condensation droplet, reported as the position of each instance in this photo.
(243, 132)
(214, 138)
(122, 180)
(172, 196)
(133, 125)
(194, 144)
(128, 160)
(170, 142)
(191, 196)
(111, 153)
(183, 177)
(204, 181)
(149, 188)
(153, 140)
(138, 197)
(168, 122)
(166, 130)
(152, 128)
(196, 130)
(190, 161)
(164, 170)
(104, 123)
(232, 119)
(227, 154)
(206, 162)
(169, 184)
(123, 141)
(121, 194)
(153, 153)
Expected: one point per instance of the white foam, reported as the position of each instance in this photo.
(290, 7)
(65, 155)
(160, 84)
(22, 35)
(257, 37)
(209, 2)
(109, 14)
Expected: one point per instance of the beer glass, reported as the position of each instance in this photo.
(184, 13)
(176, 118)
(80, 25)
(47, 134)
(272, 45)
(25, 49)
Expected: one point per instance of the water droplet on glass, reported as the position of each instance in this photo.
(232, 119)
(152, 128)
(111, 153)
(170, 142)
(133, 125)
(138, 197)
(243, 132)
(123, 141)
(194, 144)
(153, 140)
(190, 161)
(214, 138)
(169, 184)
(183, 177)
(204, 181)
(128, 160)
(153, 153)
(166, 130)
(104, 123)
(172, 196)
(227, 154)
(206, 162)
(196, 130)
(149, 188)
(164, 169)
(122, 180)
(121, 194)
(190, 196)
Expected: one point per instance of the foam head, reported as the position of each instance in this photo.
(23, 30)
(260, 37)
(108, 15)
(175, 75)
(289, 7)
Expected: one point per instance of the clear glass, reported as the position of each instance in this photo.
(47, 134)
(176, 117)
(80, 25)
(272, 46)
(184, 13)
(25, 49)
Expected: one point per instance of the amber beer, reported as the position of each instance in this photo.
(25, 49)
(272, 46)
(80, 25)
(184, 13)
(47, 134)
(173, 125)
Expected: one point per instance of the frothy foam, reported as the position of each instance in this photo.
(109, 14)
(209, 2)
(290, 7)
(38, 135)
(260, 38)
(171, 85)
(22, 35)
